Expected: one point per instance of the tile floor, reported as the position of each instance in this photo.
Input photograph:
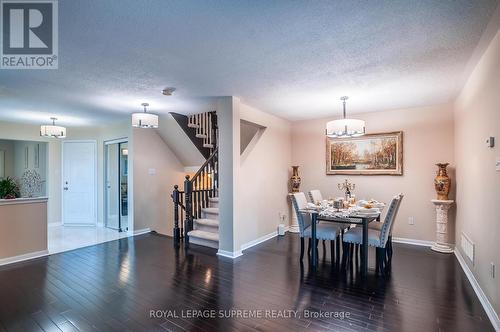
(64, 238)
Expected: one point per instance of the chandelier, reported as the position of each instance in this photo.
(52, 130)
(345, 127)
(144, 119)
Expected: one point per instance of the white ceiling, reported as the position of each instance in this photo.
(290, 58)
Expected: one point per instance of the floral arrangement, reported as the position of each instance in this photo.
(9, 189)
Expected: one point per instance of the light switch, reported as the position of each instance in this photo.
(152, 171)
(497, 164)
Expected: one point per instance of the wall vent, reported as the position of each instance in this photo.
(467, 247)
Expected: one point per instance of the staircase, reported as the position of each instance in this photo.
(196, 208)
(206, 229)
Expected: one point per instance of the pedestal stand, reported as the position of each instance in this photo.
(441, 244)
(294, 225)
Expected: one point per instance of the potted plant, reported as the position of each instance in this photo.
(9, 189)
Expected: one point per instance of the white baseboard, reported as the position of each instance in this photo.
(414, 242)
(20, 258)
(229, 254)
(140, 231)
(261, 239)
(238, 253)
(488, 307)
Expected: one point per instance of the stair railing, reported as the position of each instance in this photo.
(188, 204)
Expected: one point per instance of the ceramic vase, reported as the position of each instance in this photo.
(295, 179)
(442, 182)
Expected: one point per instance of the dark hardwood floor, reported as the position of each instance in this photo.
(115, 285)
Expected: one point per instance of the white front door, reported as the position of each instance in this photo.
(79, 183)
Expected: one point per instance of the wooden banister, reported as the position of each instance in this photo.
(188, 204)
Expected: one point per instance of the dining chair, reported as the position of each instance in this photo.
(315, 196)
(376, 238)
(377, 225)
(389, 239)
(324, 231)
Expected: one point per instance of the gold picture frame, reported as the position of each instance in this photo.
(371, 154)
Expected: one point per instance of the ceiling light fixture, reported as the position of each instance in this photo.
(144, 119)
(168, 91)
(345, 127)
(52, 130)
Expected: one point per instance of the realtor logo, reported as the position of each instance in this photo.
(29, 34)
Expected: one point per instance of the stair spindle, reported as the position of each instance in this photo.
(206, 127)
(209, 128)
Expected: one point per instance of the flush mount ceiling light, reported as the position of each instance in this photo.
(52, 130)
(168, 91)
(144, 119)
(345, 127)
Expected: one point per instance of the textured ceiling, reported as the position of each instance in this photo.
(290, 58)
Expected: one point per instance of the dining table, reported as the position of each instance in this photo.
(343, 217)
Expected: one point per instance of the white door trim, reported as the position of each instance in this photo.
(95, 178)
(104, 176)
(118, 140)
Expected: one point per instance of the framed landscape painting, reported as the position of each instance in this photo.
(372, 154)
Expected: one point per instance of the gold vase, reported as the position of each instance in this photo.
(295, 180)
(442, 182)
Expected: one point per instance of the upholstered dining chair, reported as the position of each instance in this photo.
(378, 226)
(315, 196)
(376, 238)
(324, 231)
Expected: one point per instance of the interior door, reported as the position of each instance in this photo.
(79, 183)
(112, 189)
(123, 186)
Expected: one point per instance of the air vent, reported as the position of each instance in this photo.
(467, 247)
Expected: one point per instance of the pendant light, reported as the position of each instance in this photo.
(53, 130)
(345, 127)
(144, 119)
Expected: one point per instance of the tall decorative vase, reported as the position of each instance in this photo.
(442, 182)
(295, 180)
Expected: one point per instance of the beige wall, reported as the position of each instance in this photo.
(100, 135)
(263, 177)
(477, 116)
(23, 229)
(153, 207)
(228, 120)
(428, 139)
(19, 131)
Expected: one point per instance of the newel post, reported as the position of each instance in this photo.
(177, 231)
(188, 225)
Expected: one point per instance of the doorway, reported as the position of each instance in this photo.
(116, 185)
(79, 183)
